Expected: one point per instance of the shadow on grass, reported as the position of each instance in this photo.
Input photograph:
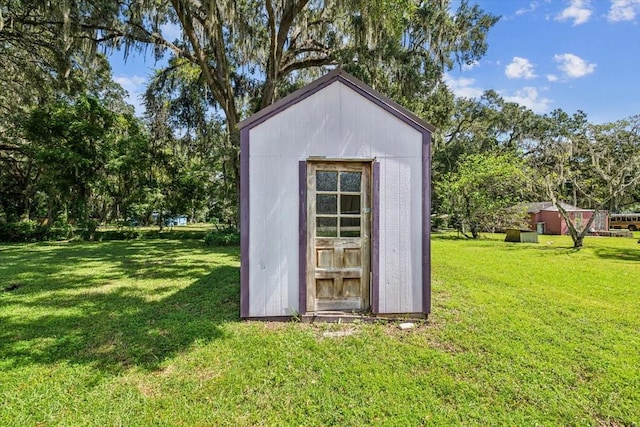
(619, 254)
(122, 327)
(448, 236)
(564, 250)
(140, 259)
(559, 247)
(482, 238)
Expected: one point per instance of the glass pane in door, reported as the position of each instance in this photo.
(350, 181)
(327, 227)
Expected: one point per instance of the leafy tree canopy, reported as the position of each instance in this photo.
(480, 194)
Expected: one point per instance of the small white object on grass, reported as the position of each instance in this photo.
(405, 326)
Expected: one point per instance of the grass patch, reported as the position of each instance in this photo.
(147, 332)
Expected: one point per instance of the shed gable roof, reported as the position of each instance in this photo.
(347, 79)
(534, 208)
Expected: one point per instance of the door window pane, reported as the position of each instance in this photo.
(350, 181)
(349, 227)
(350, 204)
(326, 181)
(338, 203)
(326, 204)
(327, 227)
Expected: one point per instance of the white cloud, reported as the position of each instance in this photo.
(573, 66)
(171, 32)
(463, 87)
(532, 7)
(134, 85)
(130, 83)
(467, 67)
(579, 11)
(530, 98)
(520, 68)
(552, 77)
(623, 10)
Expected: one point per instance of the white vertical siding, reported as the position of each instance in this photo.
(416, 225)
(259, 245)
(335, 122)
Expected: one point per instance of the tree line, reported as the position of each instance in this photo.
(71, 150)
(496, 155)
(78, 155)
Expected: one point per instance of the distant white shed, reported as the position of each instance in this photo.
(335, 203)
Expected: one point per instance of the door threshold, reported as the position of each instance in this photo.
(335, 317)
(350, 317)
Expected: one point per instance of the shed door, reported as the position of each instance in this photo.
(338, 239)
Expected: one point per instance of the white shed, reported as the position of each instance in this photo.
(335, 203)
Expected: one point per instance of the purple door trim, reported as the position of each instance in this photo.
(244, 223)
(302, 237)
(426, 222)
(375, 241)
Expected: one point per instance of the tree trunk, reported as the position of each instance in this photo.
(474, 231)
(576, 235)
(233, 164)
(27, 207)
(49, 209)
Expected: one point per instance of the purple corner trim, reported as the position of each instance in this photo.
(244, 223)
(302, 237)
(426, 222)
(375, 240)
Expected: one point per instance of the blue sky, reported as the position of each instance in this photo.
(575, 55)
(544, 54)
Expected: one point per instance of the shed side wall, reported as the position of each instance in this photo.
(553, 222)
(335, 122)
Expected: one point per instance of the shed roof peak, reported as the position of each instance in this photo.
(338, 74)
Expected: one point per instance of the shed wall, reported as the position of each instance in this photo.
(556, 225)
(586, 216)
(552, 220)
(335, 122)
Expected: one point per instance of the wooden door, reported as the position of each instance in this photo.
(338, 236)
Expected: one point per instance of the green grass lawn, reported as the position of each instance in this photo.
(147, 332)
